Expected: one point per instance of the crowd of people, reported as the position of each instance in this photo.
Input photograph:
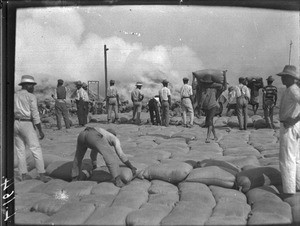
(27, 120)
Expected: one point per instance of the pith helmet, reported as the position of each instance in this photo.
(290, 70)
(27, 79)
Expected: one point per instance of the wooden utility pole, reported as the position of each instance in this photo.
(105, 71)
(290, 52)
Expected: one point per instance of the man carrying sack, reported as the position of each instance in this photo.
(100, 141)
(26, 119)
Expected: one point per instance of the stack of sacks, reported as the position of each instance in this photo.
(231, 207)
(169, 170)
(134, 195)
(195, 205)
(257, 177)
(214, 172)
(267, 207)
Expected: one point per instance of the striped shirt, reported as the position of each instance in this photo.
(270, 92)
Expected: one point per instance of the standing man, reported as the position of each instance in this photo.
(289, 115)
(209, 102)
(80, 103)
(154, 107)
(61, 109)
(269, 101)
(165, 101)
(231, 101)
(26, 119)
(242, 100)
(136, 98)
(86, 102)
(254, 86)
(101, 141)
(113, 101)
(186, 93)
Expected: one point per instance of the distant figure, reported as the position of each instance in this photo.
(269, 101)
(106, 143)
(289, 115)
(231, 101)
(113, 102)
(210, 93)
(26, 119)
(242, 100)
(165, 101)
(61, 109)
(136, 98)
(86, 103)
(80, 103)
(154, 107)
(254, 86)
(186, 94)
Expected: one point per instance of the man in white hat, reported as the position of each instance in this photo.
(269, 101)
(289, 115)
(165, 101)
(26, 117)
(136, 98)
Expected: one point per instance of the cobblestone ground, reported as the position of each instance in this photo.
(232, 181)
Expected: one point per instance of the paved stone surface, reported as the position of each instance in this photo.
(159, 199)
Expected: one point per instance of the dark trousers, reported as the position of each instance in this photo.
(154, 113)
(61, 110)
(165, 118)
(91, 138)
(242, 114)
(86, 112)
(80, 112)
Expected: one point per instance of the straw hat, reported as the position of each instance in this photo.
(27, 79)
(290, 70)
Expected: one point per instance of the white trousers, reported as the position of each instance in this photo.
(289, 158)
(187, 106)
(25, 136)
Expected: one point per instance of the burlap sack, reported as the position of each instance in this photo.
(172, 172)
(258, 177)
(48, 206)
(148, 214)
(265, 193)
(105, 188)
(162, 187)
(212, 175)
(221, 193)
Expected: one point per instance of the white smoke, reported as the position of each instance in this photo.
(51, 45)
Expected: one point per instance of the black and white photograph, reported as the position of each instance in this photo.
(150, 113)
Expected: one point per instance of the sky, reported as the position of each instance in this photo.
(151, 43)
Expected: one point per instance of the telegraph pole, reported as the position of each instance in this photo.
(105, 71)
(290, 52)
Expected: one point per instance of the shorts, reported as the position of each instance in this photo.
(209, 120)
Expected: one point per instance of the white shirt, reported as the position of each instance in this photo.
(242, 89)
(290, 103)
(186, 91)
(79, 93)
(164, 93)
